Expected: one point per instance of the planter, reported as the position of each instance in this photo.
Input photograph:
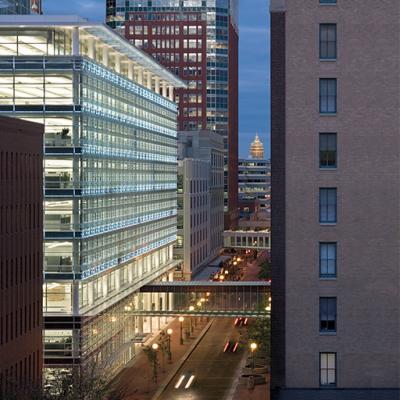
(258, 379)
(258, 369)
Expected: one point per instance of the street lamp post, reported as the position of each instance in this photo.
(169, 332)
(181, 321)
(154, 347)
(191, 308)
(253, 348)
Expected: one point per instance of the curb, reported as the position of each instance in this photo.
(171, 375)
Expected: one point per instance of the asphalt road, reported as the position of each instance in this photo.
(213, 369)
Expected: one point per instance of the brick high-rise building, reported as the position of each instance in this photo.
(335, 94)
(198, 41)
(21, 243)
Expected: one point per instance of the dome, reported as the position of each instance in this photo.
(257, 148)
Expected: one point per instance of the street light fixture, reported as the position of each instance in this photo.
(154, 346)
(181, 319)
(169, 332)
(253, 348)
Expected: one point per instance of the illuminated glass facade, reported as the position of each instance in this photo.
(110, 180)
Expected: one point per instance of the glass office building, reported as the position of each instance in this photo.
(20, 7)
(110, 178)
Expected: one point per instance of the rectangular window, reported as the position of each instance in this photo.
(327, 205)
(327, 369)
(327, 41)
(327, 150)
(327, 260)
(327, 314)
(327, 1)
(327, 96)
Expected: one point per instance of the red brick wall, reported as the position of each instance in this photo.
(21, 241)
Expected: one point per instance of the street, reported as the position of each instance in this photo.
(214, 371)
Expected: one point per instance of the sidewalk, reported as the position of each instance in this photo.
(135, 381)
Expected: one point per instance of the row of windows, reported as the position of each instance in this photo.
(166, 30)
(19, 322)
(166, 17)
(16, 270)
(22, 374)
(167, 44)
(19, 218)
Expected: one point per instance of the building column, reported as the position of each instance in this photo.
(164, 89)
(105, 56)
(118, 63)
(157, 85)
(140, 75)
(91, 48)
(75, 298)
(75, 41)
(131, 71)
(171, 93)
(149, 81)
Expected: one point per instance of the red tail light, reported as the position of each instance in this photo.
(226, 347)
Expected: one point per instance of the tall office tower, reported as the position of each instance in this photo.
(110, 179)
(20, 7)
(198, 41)
(200, 199)
(335, 199)
(21, 243)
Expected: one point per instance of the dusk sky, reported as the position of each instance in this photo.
(253, 61)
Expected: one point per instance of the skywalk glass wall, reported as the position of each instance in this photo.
(110, 175)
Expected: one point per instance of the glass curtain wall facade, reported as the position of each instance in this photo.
(20, 6)
(110, 182)
(198, 41)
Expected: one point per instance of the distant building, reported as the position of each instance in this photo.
(254, 180)
(196, 40)
(21, 254)
(20, 7)
(254, 184)
(200, 199)
(256, 148)
(110, 180)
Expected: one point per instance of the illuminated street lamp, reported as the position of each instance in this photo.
(221, 277)
(181, 319)
(253, 348)
(169, 332)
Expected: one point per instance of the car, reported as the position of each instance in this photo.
(185, 381)
(231, 346)
(241, 321)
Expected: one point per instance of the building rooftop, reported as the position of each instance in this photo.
(102, 34)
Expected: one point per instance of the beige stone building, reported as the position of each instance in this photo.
(335, 68)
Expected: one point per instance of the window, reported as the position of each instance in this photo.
(327, 314)
(327, 205)
(327, 96)
(327, 150)
(327, 369)
(327, 41)
(327, 260)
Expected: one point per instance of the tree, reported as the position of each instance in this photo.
(265, 272)
(86, 382)
(260, 333)
(152, 358)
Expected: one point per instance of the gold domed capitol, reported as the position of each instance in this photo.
(257, 148)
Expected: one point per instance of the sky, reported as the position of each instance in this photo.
(254, 26)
